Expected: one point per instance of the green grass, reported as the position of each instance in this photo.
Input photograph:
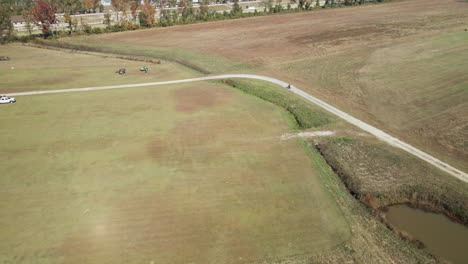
(169, 176)
(43, 69)
(305, 114)
(204, 63)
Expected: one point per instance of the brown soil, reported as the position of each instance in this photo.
(273, 39)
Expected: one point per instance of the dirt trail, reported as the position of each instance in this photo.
(364, 126)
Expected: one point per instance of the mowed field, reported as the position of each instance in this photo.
(34, 69)
(192, 173)
(399, 66)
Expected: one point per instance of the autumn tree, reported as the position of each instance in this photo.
(55, 4)
(147, 14)
(90, 4)
(133, 10)
(44, 15)
(186, 10)
(120, 6)
(137, 3)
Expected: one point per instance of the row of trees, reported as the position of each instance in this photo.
(61, 6)
(42, 12)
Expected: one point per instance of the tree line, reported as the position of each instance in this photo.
(42, 13)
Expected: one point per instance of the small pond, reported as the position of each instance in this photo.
(441, 236)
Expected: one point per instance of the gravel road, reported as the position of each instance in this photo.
(364, 126)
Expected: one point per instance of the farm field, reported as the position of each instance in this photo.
(201, 173)
(416, 89)
(34, 69)
(354, 58)
(191, 173)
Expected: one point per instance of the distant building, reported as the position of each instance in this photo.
(17, 20)
(19, 24)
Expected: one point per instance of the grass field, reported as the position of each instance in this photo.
(430, 100)
(416, 89)
(358, 62)
(32, 69)
(196, 173)
(192, 173)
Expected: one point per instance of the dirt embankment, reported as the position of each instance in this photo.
(380, 176)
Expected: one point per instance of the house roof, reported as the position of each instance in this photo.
(17, 19)
(20, 19)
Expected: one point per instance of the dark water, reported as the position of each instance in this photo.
(442, 236)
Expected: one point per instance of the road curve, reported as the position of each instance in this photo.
(364, 126)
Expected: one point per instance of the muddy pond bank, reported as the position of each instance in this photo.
(383, 178)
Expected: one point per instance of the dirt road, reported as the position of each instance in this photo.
(364, 126)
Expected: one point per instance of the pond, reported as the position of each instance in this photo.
(441, 236)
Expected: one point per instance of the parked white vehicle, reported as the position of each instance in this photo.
(7, 100)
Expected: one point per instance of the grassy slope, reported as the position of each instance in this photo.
(393, 176)
(305, 114)
(98, 177)
(42, 69)
(371, 241)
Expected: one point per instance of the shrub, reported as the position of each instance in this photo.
(97, 30)
(131, 26)
(87, 29)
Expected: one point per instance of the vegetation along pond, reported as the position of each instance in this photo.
(441, 236)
